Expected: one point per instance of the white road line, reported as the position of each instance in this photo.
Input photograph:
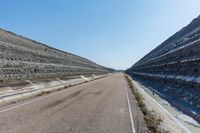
(32, 101)
(130, 112)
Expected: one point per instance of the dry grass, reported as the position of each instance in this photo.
(152, 120)
(44, 93)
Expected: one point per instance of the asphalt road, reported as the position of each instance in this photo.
(98, 106)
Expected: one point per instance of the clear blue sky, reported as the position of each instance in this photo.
(113, 33)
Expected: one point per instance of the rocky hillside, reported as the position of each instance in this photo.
(22, 59)
(173, 69)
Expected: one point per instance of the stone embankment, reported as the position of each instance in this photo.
(22, 59)
(173, 69)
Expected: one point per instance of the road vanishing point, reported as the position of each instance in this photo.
(99, 106)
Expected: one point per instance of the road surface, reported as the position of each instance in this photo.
(98, 106)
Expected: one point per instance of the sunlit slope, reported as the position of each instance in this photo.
(173, 68)
(22, 58)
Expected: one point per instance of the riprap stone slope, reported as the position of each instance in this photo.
(22, 58)
(173, 68)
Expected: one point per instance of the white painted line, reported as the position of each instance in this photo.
(32, 101)
(130, 112)
(29, 102)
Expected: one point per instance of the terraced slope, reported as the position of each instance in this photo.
(173, 69)
(22, 59)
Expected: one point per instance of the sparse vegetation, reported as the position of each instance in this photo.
(44, 93)
(154, 123)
